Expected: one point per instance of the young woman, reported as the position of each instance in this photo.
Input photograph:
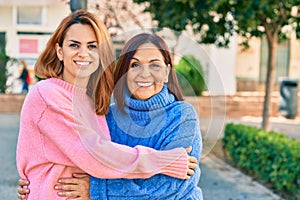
(62, 127)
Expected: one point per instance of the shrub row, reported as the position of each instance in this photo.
(271, 157)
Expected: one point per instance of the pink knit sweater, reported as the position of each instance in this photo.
(60, 134)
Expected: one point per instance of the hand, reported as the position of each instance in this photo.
(77, 187)
(22, 191)
(192, 164)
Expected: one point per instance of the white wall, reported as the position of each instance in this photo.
(218, 64)
(53, 11)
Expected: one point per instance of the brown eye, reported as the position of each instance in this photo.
(155, 66)
(74, 45)
(92, 46)
(135, 65)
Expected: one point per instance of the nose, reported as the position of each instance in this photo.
(145, 72)
(83, 52)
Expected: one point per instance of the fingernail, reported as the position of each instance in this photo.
(59, 180)
(56, 187)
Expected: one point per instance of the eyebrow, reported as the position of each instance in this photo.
(153, 60)
(79, 42)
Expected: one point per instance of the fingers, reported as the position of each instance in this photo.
(68, 187)
(70, 194)
(80, 175)
(192, 159)
(74, 188)
(190, 172)
(192, 165)
(23, 182)
(21, 197)
(23, 191)
(188, 150)
(68, 180)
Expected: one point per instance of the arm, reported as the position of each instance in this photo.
(75, 188)
(185, 133)
(91, 152)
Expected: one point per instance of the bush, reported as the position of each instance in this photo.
(271, 157)
(3, 72)
(190, 76)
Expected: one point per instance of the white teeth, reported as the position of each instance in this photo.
(82, 63)
(144, 84)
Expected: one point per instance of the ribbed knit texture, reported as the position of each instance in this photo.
(60, 134)
(161, 123)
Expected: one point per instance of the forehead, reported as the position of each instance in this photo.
(148, 51)
(81, 32)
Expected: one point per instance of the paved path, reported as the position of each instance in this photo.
(9, 126)
(218, 181)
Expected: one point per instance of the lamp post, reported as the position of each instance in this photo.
(78, 4)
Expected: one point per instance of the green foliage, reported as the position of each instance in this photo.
(222, 18)
(190, 75)
(270, 156)
(177, 14)
(265, 18)
(3, 72)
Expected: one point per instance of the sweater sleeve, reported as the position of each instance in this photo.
(64, 132)
(187, 133)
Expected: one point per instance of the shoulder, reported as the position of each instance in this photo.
(52, 92)
(37, 89)
(185, 109)
(111, 111)
(47, 85)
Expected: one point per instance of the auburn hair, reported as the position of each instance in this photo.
(101, 82)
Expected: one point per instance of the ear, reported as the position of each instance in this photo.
(59, 52)
(168, 68)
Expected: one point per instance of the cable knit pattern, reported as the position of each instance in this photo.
(60, 134)
(161, 123)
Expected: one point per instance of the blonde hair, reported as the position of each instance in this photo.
(101, 82)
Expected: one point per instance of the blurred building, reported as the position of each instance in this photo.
(251, 64)
(26, 26)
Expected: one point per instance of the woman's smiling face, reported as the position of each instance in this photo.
(147, 72)
(79, 53)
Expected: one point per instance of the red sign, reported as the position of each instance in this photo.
(28, 45)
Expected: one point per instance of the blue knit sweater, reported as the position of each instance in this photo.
(161, 123)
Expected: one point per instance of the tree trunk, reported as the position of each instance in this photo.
(270, 80)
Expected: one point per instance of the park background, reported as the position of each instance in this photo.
(234, 77)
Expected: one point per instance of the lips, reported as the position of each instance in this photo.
(144, 84)
(83, 63)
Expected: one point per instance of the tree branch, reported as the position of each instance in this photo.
(263, 20)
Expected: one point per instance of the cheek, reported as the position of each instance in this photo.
(160, 78)
(130, 84)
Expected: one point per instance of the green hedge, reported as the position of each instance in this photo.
(271, 157)
(190, 75)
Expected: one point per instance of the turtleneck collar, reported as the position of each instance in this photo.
(160, 100)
